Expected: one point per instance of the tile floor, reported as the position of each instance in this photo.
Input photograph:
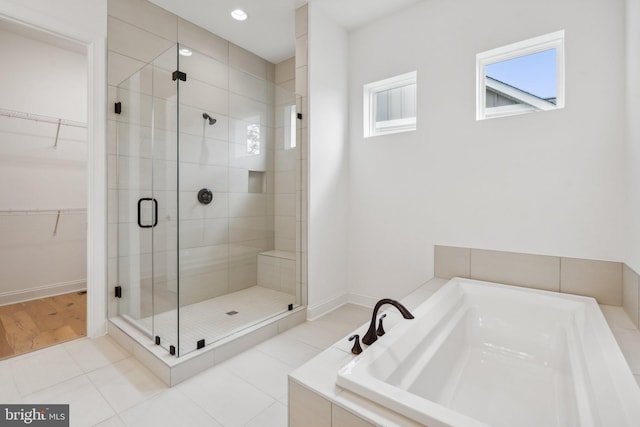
(106, 386)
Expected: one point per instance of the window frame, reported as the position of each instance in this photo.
(370, 90)
(538, 44)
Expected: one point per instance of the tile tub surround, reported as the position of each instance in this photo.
(602, 280)
(322, 397)
(610, 283)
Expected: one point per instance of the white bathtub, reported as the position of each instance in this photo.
(482, 354)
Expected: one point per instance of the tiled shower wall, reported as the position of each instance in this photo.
(302, 160)
(214, 259)
(285, 158)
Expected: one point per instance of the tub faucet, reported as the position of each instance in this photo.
(370, 337)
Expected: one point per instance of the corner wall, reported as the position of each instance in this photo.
(328, 164)
(549, 183)
(632, 256)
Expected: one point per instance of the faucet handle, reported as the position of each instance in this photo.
(357, 349)
(380, 331)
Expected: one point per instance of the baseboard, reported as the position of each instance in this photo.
(362, 300)
(50, 290)
(317, 310)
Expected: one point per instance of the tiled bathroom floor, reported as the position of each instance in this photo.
(106, 386)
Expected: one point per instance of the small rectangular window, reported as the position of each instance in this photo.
(390, 105)
(290, 116)
(520, 78)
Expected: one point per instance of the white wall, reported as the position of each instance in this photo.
(632, 257)
(84, 21)
(547, 183)
(42, 79)
(328, 167)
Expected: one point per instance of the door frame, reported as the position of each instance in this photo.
(85, 22)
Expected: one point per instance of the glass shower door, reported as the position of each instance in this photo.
(147, 200)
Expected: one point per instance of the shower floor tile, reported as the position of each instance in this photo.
(209, 320)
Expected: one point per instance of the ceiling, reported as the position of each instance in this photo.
(269, 31)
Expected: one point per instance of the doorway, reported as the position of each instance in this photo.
(43, 183)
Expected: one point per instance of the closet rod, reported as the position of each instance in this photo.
(10, 212)
(39, 118)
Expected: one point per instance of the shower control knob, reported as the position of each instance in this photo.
(205, 196)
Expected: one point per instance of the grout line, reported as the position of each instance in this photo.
(560, 274)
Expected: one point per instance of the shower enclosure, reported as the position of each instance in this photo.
(206, 211)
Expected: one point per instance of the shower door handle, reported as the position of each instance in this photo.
(155, 212)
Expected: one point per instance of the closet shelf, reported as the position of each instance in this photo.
(17, 212)
(39, 118)
(43, 119)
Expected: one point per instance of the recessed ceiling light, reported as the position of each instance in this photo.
(185, 52)
(239, 15)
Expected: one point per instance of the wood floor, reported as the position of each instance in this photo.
(36, 324)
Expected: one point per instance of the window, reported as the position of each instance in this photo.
(390, 105)
(524, 77)
(253, 138)
(290, 117)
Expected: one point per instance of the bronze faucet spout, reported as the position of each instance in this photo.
(370, 337)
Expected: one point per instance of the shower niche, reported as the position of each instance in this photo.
(205, 193)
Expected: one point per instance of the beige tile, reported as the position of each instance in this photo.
(301, 84)
(225, 397)
(170, 408)
(246, 61)
(629, 342)
(289, 350)
(292, 320)
(533, 271)
(126, 383)
(264, 372)
(208, 70)
(630, 285)
(343, 418)
(86, 405)
(274, 416)
(42, 369)
(601, 280)
(301, 51)
(302, 20)
(145, 15)
(307, 409)
(203, 41)
(91, 354)
(147, 46)
(289, 86)
(616, 317)
(286, 70)
(245, 342)
(452, 262)
(120, 68)
(271, 72)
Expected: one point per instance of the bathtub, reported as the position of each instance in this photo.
(481, 354)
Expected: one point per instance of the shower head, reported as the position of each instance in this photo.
(212, 121)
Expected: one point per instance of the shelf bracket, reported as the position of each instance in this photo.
(55, 145)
